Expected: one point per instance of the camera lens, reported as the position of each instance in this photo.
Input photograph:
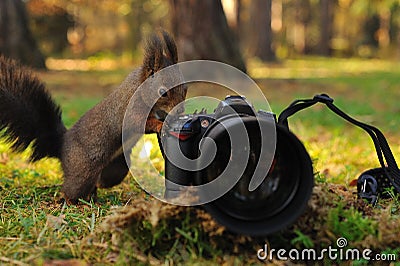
(281, 197)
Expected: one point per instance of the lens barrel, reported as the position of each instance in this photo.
(282, 196)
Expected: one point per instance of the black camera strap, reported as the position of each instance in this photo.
(372, 183)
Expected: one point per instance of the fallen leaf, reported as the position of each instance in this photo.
(55, 222)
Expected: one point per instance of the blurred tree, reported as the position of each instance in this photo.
(201, 32)
(144, 17)
(370, 27)
(238, 7)
(49, 24)
(260, 31)
(16, 40)
(233, 10)
(101, 28)
(384, 12)
(82, 28)
(326, 15)
(303, 17)
(135, 18)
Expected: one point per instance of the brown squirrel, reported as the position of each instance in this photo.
(91, 151)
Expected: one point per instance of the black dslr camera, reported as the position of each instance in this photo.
(209, 146)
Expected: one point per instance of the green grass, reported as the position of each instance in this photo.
(36, 226)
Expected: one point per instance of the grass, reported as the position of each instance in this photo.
(126, 226)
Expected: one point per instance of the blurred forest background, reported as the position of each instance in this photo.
(39, 31)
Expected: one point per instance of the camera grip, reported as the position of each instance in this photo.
(174, 175)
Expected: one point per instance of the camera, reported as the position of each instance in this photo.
(252, 189)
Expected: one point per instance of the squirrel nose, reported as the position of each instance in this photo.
(180, 110)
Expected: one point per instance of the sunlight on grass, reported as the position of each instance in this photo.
(148, 165)
(35, 224)
(92, 63)
(319, 68)
(17, 168)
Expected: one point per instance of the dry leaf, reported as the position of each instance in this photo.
(55, 222)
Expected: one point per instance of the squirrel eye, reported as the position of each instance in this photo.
(162, 91)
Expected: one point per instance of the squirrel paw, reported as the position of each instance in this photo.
(153, 125)
(92, 197)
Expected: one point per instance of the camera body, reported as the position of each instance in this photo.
(189, 130)
(285, 166)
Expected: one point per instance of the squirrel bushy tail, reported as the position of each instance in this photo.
(28, 113)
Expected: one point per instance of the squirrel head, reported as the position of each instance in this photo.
(160, 53)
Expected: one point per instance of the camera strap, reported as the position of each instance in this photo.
(372, 183)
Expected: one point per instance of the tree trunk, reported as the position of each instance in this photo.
(384, 28)
(260, 44)
(302, 18)
(238, 7)
(201, 32)
(325, 27)
(16, 40)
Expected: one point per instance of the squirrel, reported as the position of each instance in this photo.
(91, 150)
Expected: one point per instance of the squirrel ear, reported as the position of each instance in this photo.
(153, 57)
(170, 47)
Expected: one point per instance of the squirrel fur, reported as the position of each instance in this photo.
(91, 150)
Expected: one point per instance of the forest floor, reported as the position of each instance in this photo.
(127, 226)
